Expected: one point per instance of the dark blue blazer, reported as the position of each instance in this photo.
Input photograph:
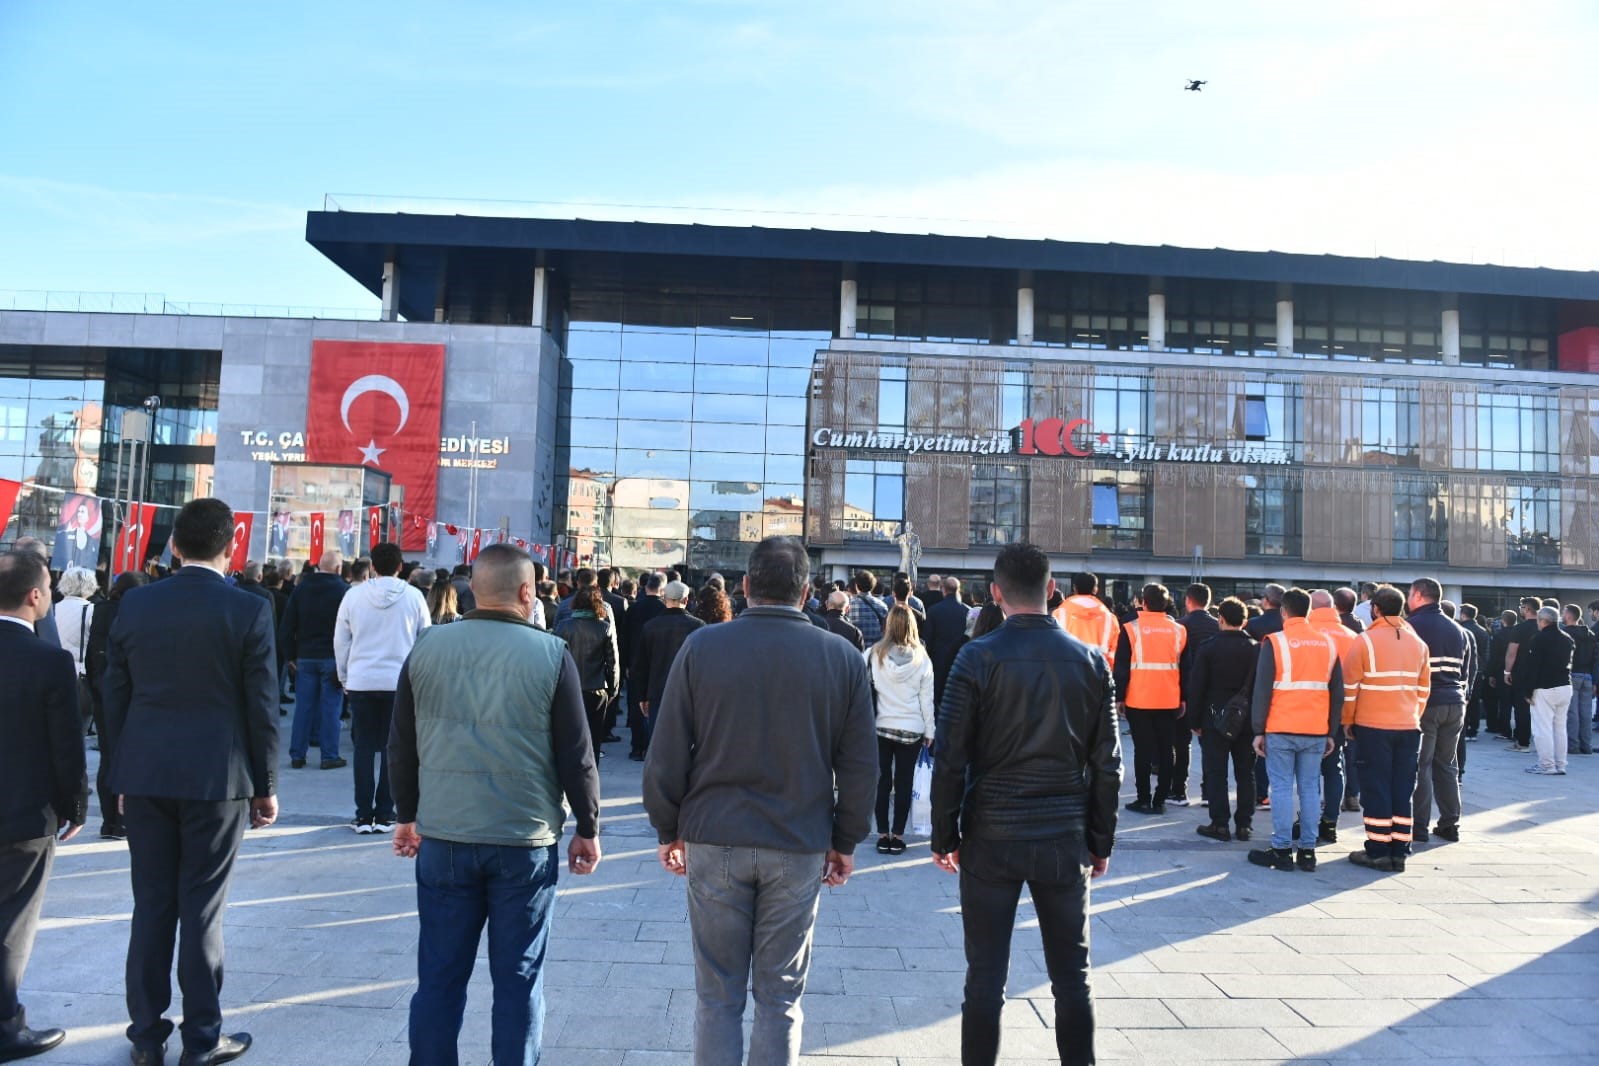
(42, 779)
(191, 691)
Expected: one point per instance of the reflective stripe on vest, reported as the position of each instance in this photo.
(1153, 685)
(1298, 704)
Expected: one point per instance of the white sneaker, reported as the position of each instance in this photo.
(360, 827)
(1178, 801)
(381, 827)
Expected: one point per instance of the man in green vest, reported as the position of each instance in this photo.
(489, 734)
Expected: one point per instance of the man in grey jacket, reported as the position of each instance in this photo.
(489, 734)
(762, 717)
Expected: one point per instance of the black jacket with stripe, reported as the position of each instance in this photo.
(1452, 654)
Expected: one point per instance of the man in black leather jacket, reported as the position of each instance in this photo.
(1224, 667)
(1026, 772)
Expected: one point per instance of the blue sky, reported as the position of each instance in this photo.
(174, 148)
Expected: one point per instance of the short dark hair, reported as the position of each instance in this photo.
(1530, 603)
(1593, 605)
(778, 570)
(203, 529)
(864, 581)
(20, 573)
(584, 576)
(1344, 600)
(1156, 597)
(1550, 601)
(1199, 593)
(1428, 589)
(902, 588)
(1296, 602)
(1573, 610)
(1022, 573)
(1232, 611)
(359, 567)
(387, 559)
(653, 581)
(1085, 583)
(604, 576)
(1507, 618)
(1468, 611)
(1388, 600)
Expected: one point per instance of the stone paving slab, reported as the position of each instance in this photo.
(1484, 951)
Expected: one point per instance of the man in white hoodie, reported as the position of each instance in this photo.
(379, 620)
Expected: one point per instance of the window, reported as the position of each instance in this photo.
(1256, 423)
(874, 499)
(1272, 515)
(1391, 424)
(1421, 524)
(1120, 406)
(1532, 525)
(1120, 506)
(891, 398)
(999, 504)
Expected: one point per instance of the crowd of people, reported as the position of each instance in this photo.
(481, 701)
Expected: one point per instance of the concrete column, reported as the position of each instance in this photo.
(847, 297)
(391, 291)
(1157, 322)
(1450, 337)
(1455, 594)
(1285, 327)
(1024, 307)
(540, 297)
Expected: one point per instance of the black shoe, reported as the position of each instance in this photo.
(333, 764)
(1241, 833)
(297, 764)
(1327, 833)
(111, 831)
(1305, 859)
(228, 1048)
(1398, 864)
(1450, 833)
(1214, 832)
(1421, 837)
(885, 846)
(1275, 858)
(896, 846)
(636, 756)
(1382, 863)
(610, 738)
(147, 1056)
(1142, 807)
(17, 1041)
(1352, 804)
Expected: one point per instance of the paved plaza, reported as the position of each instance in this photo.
(1484, 951)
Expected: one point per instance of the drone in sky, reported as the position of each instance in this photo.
(1194, 85)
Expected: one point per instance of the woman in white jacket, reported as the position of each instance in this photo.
(902, 677)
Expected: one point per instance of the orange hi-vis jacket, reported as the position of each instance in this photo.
(1153, 682)
(1091, 622)
(1326, 620)
(1387, 677)
(1304, 657)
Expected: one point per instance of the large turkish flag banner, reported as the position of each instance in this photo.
(379, 404)
(242, 521)
(318, 522)
(134, 540)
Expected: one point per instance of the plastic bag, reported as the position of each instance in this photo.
(922, 795)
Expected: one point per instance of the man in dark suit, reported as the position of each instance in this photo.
(648, 607)
(946, 632)
(191, 692)
(46, 626)
(656, 650)
(836, 619)
(44, 790)
(1201, 627)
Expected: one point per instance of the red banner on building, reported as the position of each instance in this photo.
(318, 524)
(134, 540)
(242, 521)
(374, 527)
(8, 501)
(379, 404)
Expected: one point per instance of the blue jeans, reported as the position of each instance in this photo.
(458, 887)
(751, 916)
(1294, 761)
(317, 705)
(371, 714)
(1579, 716)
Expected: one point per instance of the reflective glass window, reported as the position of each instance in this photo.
(891, 398)
(658, 347)
(592, 374)
(592, 403)
(591, 432)
(1272, 515)
(785, 468)
(653, 464)
(733, 379)
(785, 440)
(734, 495)
(728, 467)
(785, 411)
(720, 436)
(640, 433)
(789, 381)
(797, 351)
(710, 407)
(654, 405)
(1120, 508)
(1421, 525)
(1533, 524)
(998, 504)
(737, 350)
(600, 462)
(586, 345)
(659, 377)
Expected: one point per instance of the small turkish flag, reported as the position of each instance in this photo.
(374, 527)
(520, 543)
(242, 521)
(451, 528)
(318, 522)
(477, 544)
(134, 540)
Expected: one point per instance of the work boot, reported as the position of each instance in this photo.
(1381, 863)
(1214, 832)
(1327, 833)
(1275, 858)
(1305, 859)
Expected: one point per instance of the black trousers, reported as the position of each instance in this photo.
(991, 879)
(896, 769)
(24, 870)
(1216, 751)
(1182, 754)
(181, 854)
(1154, 751)
(110, 817)
(597, 707)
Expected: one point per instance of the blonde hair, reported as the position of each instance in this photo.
(899, 631)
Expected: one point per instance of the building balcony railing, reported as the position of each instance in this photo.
(154, 303)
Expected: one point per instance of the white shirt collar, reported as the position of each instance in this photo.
(19, 621)
(205, 566)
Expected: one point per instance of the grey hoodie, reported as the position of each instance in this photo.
(379, 620)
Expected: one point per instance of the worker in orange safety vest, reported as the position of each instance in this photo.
(1149, 688)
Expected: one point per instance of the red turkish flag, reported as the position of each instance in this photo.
(379, 404)
(477, 543)
(374, 527)
(134, 540)
(242, 521)
(8, 500)
(318, 524)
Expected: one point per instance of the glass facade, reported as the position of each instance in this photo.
(682, 409)
(61, 413)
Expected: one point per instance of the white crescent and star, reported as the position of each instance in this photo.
(374, 383)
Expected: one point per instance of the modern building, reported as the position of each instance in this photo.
(667, 393)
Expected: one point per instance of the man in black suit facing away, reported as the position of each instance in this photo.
(191, 693)
(44, 790)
